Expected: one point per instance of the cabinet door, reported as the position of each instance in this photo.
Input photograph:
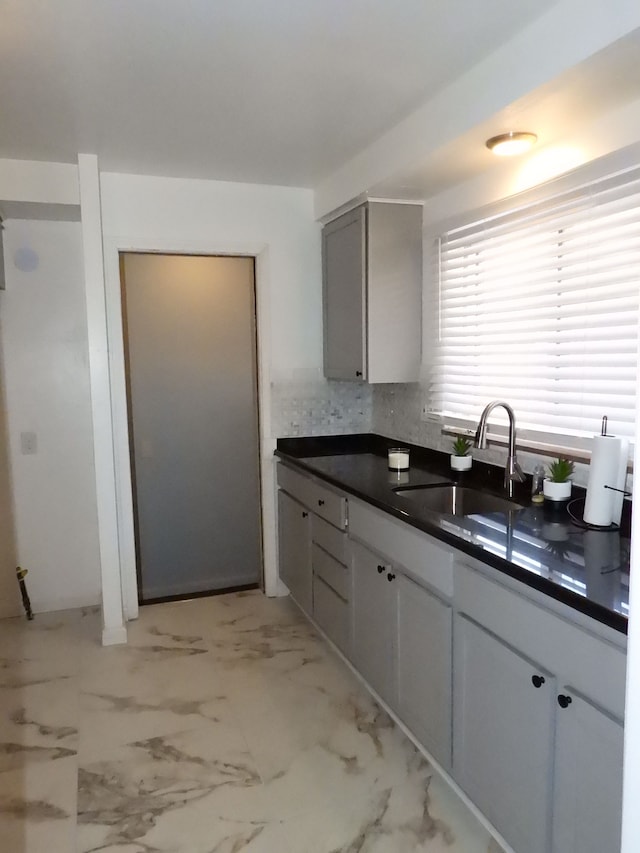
(374, 620)
(424, 667)
(588, 779)
(294, 524)
(344, 282)
(503, 736)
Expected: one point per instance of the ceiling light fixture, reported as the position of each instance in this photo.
(514, 142)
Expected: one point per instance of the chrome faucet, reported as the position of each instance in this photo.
(513, 471)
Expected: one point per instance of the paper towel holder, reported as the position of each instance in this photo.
(621, 491)
(579, 521)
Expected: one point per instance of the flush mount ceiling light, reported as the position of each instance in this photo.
(514, 142)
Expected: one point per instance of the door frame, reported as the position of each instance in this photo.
(119, 410)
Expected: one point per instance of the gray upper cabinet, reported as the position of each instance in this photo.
(372, 293)
(344, 259)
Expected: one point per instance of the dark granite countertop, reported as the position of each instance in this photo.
(585, 569)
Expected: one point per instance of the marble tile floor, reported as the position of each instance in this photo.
(225, 725)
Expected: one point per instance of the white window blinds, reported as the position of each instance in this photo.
(539, 307)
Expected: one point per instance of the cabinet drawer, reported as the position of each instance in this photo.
(329, 505)
(582, 662)
(428, 561)
(296, 485)
(332, 614)
(330, 539)
(333, 573)
(322, 500)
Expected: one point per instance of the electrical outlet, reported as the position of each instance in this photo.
(28, 443)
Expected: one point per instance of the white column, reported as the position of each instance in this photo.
(113, 630)
(631, 790)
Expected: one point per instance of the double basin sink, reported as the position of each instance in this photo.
(453, 499)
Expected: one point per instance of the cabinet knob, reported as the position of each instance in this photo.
(564, 701)
(380, 569)
(320, 503)
(358, 373)
(305, 514)
(537, 680)
(391, 577)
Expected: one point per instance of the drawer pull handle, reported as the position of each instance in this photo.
(391, 577)
(320, 503)
(564, 701)
(537, 680)
(380, 569)
(358, 373)
(305, 514)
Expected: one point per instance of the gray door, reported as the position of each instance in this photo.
(191, 369)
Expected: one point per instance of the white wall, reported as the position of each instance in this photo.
(276, 225)
(43, 336)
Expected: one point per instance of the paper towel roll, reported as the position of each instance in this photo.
(621, 482)
(603, 471)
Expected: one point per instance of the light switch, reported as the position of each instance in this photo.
(28, 443)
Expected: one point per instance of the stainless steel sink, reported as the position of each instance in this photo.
(451, 499)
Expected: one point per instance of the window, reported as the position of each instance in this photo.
(539, 307)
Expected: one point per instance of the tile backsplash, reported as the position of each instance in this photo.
(397, 413)
(311, 405)
(305, 404)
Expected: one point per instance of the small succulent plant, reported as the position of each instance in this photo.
(461, 446)
(560, 470)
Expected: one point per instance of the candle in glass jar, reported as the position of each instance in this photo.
(398, 459)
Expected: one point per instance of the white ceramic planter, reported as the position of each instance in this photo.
(556, 491)
(461, 463)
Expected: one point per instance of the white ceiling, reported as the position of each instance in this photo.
(267, 91)
(581, 95)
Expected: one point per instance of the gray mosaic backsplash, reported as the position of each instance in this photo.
(312, 405)
(320, 407)
(397, 414)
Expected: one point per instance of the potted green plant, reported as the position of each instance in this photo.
(460, 458)
(557, 486)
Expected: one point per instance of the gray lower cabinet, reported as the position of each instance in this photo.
(521, 699)
(331, 594)
(424, 667)
(294, 524)
(503, 736)
(588, 778)
(374, 620)
(538, 735)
